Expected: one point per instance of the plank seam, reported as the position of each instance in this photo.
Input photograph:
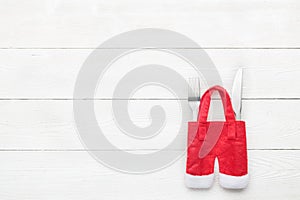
(85, 150)
(91, 48)
(172, 99)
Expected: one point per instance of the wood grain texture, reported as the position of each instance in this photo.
(76, 175)
(49, 124)
(52, 73)
(43, 44)
(69, 24)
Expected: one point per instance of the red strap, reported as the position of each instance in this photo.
(205, 103)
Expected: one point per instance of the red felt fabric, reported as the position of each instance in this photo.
(224, 140)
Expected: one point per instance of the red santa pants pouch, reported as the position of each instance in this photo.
(224, 140)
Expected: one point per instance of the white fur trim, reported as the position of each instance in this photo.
(199, 182)
(233, 182)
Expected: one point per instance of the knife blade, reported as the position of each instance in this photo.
(236, 93)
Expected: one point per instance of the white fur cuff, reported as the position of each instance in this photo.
(233, 182)
(199, 182)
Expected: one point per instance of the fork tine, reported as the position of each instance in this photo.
(194, 95)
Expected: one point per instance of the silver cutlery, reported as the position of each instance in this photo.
(194, 95)
(236, 93)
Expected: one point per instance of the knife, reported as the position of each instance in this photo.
(236, 93)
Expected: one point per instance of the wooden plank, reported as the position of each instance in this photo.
(76, 175)
(61, 24)
(49, 124)
(52, 73)
(44, 43)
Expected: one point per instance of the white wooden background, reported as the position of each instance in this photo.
(43, 44)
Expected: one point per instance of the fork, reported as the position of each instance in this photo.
(194, 95)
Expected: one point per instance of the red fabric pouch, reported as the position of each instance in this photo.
(208, 140)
